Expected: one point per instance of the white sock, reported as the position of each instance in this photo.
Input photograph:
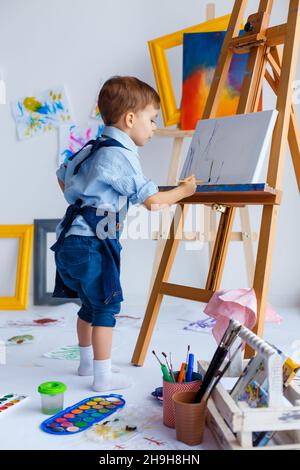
(104, 379)
(86, 361)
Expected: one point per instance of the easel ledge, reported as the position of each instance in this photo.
(232, 195)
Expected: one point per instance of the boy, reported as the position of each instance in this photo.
(87, 252)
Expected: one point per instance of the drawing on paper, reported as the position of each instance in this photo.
(35, 115)
(72, 138)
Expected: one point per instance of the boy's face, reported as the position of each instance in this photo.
(142, 125)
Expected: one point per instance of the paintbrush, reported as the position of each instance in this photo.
(218, 358)
(171, 365)
(197, 181)
(164, 369)
(168, 366)
(209, 392)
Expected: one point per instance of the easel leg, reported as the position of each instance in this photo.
(220, 249)
(156, 297)
(247, 243)
(263, 267)
(171, 180)
(293, 134)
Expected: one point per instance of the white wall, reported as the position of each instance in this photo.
(80, 44)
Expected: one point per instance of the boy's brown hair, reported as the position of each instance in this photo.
(120, 95)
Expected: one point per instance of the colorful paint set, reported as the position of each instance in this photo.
(83, 415)
(9, 400)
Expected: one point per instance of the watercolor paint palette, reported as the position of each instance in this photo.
(9, 401)
(82, 415)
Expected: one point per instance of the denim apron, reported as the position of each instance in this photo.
(111, 247)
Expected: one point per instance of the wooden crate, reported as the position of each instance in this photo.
(232, 423)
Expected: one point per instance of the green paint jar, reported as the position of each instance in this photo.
(52, 397)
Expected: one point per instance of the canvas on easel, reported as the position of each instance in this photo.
(230, 150)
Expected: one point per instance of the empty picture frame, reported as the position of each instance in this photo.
(231, 149)
(40, 294)
(170, 111)
(25, 235)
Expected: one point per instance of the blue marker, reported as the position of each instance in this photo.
(190, 368)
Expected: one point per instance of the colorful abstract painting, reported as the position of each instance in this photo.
(35, 115)
(72, 138)
(200, 57)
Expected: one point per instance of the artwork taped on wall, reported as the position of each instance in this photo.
(201, 52)
(96, 114)
(35, 115)
(72, 138)
(231, 149)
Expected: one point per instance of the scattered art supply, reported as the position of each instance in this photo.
(203, 326)
(290, 369)
(261, 439)
(20, 339)
(67, 353)
(255, 395)
(158, 394)
(126, 424)
(52, 397)
(171, 373)
(190, 368)
(72, 138)
(9, 400)
(221, 352)
(35, 115)
(181, 376)
(83, 415)
(164, 369)
(230, 150)
(222, 373)
(255, 370)
(186, 371)
(29, 323)
(201, 52)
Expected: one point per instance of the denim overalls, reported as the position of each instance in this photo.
(89, 267)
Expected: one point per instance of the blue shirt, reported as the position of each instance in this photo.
(110, 173)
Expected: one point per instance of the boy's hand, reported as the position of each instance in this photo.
(189, 185)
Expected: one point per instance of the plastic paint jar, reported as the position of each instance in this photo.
(52, 396)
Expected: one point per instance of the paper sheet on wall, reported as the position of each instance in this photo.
(35, 115)
(72, 138)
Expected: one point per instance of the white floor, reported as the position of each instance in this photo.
(26, 368)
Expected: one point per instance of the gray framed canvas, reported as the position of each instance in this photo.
(41, 296)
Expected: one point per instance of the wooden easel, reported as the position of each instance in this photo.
(209, 229)
(261, 42)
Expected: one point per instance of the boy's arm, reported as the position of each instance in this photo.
(167, 198)
(61, 184)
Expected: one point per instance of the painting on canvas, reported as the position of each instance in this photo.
(200, 56)
(35, 115)
(72, 138)
(231, 149)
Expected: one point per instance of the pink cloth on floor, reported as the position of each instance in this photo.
(239, 304)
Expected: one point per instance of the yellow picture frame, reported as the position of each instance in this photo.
(170, 111)
(25, 235)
